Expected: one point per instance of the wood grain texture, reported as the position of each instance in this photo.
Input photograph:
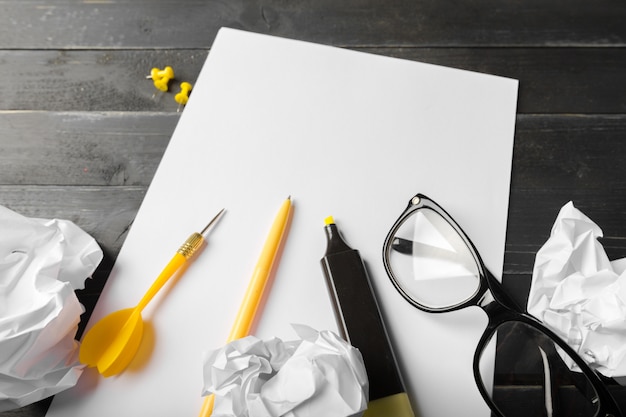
(56, 24)
(82, 148)
(106, 213)
(88, 80)
(552, 80)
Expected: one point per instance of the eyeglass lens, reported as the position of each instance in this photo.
(530, 376)
(431, 262)
(434, 266)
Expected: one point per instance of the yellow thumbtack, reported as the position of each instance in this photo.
(182, 97)
(161, 79)
(157, 74)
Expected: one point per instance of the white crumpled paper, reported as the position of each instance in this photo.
(42, 262)
(581, 295)
(320, 375)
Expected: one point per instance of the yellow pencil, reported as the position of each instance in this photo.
(252, 298)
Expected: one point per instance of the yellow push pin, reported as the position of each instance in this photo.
(157, 74)
(161, 79)
(182, 97)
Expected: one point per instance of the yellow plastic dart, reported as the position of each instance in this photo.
(111, 344)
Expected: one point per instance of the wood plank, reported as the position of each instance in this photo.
(82, 148)
(552, 80)
(531, 215)
(570, 152)
(106, 213)
(38, 24)
(563, 158)
(92, 80)
(566, 152)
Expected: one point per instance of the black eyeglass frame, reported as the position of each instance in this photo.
(499, 306)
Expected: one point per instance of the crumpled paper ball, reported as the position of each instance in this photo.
(42, 262)
(319, 375)
(580, 294)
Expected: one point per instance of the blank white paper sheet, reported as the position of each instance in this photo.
(345, 133)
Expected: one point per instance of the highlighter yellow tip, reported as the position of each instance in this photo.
(329, 220)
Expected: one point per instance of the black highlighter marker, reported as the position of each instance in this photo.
(362, 326)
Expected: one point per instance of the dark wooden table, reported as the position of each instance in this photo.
(81, 135)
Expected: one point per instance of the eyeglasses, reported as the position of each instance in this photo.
(435, 266)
